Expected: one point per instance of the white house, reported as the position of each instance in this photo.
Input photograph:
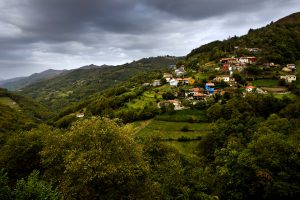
(291, 66)
(180, 71)
(168, 79)
(167, 75)
(80, 115)
(156, 83)
(285, 69)
(146, 84)
(289, 78)
(247, 60)
(225, 78)
(173, 82)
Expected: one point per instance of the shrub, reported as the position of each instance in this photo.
(185, 128)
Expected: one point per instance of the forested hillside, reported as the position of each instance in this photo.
(278, 42)
(19, 112)
(79, 84)
(251, 153)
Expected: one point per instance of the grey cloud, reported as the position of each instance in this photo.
(201, 9)
(45, 32)
(52, 17)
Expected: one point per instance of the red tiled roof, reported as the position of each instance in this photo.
(195, 89)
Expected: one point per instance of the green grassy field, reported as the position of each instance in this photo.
(147, 97)
(290, 95)
(172, 130)
(266, 82)
(184, 116)
(9, 102)
(188, 149)
(201, 76)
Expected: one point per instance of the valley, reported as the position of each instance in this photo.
(220, 123)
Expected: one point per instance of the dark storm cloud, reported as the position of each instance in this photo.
(68, 33)
(52, 17)
(59, 20)
(201, 9)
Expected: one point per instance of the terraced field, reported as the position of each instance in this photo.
(184, 136)
(174, 130)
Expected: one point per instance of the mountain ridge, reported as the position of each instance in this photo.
(20, 82)
(82, 82)
(290, 19)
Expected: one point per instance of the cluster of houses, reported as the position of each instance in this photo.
(227, 65)
(289, 78)
(232, 64)
(289, 68)
(174, 80)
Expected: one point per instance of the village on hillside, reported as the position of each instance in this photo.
(228, 76)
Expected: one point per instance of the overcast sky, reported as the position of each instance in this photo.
(36, 35)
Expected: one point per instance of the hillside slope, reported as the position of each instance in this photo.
(278, 42)
(20, 82)
(290, 19)
(19, 112)
(83, 82)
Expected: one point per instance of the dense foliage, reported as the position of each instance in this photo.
(251, 153)
(279, 43)
(25, 114)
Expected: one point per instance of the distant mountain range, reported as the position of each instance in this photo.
(20, 82)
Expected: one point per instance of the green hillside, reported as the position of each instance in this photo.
(19, 113)
(278, 42)
(291, 19)
(83, 82)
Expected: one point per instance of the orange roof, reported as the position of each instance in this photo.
(195, 89)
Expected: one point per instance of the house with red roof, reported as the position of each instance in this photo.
(250, 88)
